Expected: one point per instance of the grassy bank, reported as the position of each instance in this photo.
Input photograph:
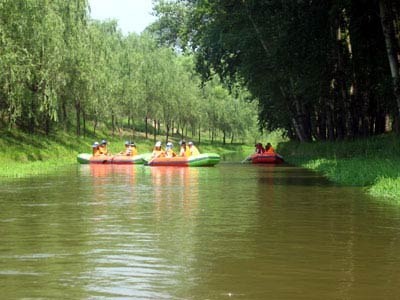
(371, 163)
(23, 155)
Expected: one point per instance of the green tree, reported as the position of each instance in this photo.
(309, 64)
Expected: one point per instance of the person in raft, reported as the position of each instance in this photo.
(269, 149)
(96, 149)
(259, 148)
(169, 152)
(193, 149)
(103, 148)
(134, 150)
(130, 149)
(184, 150)
(157, 151)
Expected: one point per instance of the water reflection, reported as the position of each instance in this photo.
(149, 230)
(175, 187)
(232, 231)
(110, 170)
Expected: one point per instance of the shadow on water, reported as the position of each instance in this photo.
(233, 157)
(283, 174)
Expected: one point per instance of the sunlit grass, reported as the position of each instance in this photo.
(372, 163)
(20, 170)
(24, 155)
(386, 187)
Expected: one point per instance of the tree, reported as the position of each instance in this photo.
(310, 64)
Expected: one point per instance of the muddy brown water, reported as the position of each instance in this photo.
(232, 231)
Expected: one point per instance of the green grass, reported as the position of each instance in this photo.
(372, 163)
(23, 155)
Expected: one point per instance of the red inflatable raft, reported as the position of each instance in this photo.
(265, 158)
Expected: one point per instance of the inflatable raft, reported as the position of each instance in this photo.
(86, 158)
(202, 160)
(265, 158)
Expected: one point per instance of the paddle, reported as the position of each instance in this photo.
(106, 160)
(247, 159)
(152, 159)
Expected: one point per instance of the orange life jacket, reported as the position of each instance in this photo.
(103, 150)
(270, 150)
(96, 152)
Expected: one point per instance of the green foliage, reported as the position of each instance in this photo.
(62, 70)
(25, 155)
(309, 63)
(386, 187)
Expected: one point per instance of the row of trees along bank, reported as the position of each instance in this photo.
(322, 70)
(62, 70)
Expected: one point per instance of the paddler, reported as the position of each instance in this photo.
(95, 149)
(269, 149)
(157, 151)
(103, 148)
(169, 152)
(184, 151)
(193, 149)
(130, 149)
(259, 148)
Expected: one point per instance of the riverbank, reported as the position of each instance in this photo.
(23, 155)
(372, 163)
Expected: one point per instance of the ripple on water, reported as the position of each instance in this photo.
(233, 231)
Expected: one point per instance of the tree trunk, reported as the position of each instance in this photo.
(330, 120)
(47, 125)
(256, 29)
(300, 122)
(342, 117)
(95, 126)
(78, 117)
(386, 16)
(84, 123)
(113, 123)
(198, 142)
(155, 130)
(146, 126)
(64, 115)
(167, 133)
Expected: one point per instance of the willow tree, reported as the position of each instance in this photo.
(35, 31)
(60, 69)
(105, 85)
(14, 61)
(130, 63)
(39, 48)
(77, 65)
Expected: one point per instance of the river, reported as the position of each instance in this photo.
(233, 231)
